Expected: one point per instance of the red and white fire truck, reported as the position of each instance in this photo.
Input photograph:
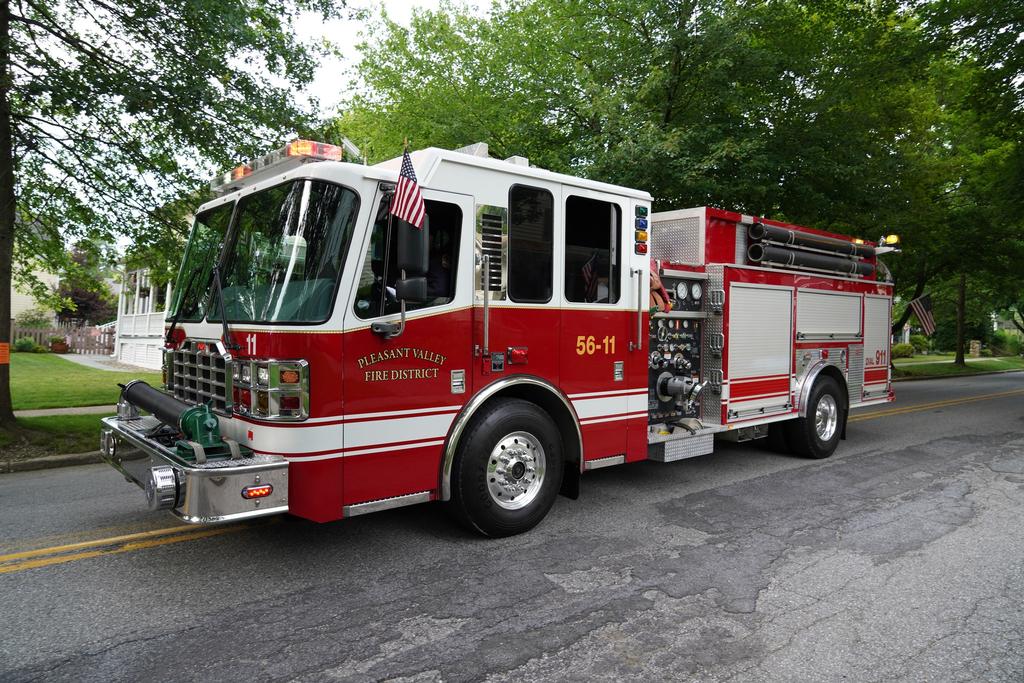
(326, 359)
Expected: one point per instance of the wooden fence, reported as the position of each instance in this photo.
(88, 339)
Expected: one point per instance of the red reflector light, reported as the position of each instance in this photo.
(517, 355)
(309, 148)
(824, 353)
(250, 492)
(289, 403)
(641, 247)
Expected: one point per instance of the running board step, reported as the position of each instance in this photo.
(604, 462)
(386, 503)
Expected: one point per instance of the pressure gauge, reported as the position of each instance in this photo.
(696, 290)
(681, 291)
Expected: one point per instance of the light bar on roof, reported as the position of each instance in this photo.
(294, 153)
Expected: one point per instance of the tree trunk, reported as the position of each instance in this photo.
(8, 212)
(961, 304)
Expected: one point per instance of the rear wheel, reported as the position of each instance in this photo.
(507, 470)
(817, 435)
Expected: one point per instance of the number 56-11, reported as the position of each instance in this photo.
(588, 346)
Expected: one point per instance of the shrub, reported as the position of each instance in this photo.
(919, 342)
(1005, 343)
(34, 318)
(56, 339)
(902, 350)
(25, 345)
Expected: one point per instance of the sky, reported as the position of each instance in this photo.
(331, 84)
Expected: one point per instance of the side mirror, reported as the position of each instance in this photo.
(412, 289)
(413, 248)
(412, 256)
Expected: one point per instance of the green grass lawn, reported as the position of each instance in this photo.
(51, 435)
(45, 380)
(951, 370)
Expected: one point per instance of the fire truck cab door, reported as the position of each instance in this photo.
(599, 319)
(402, 393)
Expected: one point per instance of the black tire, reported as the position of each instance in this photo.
(476, 484)
(802, 434)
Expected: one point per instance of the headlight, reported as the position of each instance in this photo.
(280, 390)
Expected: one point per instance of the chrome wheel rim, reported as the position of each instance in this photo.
(515, 470)
(826, 417)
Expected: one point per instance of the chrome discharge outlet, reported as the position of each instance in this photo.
(162, 488)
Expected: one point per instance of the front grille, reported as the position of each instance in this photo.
(198, 373)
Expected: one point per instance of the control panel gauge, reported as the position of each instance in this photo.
(696, 290)
(674, 358)
(681, 291)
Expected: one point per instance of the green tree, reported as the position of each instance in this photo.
(112, 111)
(862, 118)
(83, 289)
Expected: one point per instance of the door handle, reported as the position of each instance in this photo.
(638, 343)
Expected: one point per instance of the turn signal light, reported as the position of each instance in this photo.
(241, 171)
(518, 355)
(250, 492)
(289, 377)
(309, 148)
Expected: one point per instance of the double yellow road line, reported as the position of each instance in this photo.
(931, 406)
(116, 545)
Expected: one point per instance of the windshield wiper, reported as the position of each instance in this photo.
(181, 306)
(228, 341)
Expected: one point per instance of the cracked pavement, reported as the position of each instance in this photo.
(900, 558)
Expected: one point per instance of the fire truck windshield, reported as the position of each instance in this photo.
(286, 247)
(192, 286)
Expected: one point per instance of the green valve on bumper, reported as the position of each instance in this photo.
(197, 424)
(203, 440)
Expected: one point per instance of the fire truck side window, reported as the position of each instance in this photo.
(592, 237)
(530, 244)
(375, 293)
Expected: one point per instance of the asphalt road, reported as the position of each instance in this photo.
(901, 557)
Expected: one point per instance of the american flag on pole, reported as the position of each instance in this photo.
(590, 278)
(922, 307)
(407, 203)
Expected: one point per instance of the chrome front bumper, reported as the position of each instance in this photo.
(200, 494)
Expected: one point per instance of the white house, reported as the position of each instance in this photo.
(141, 309)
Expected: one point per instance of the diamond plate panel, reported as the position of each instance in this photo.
(678, 240)
(686, 447)
(741, 244)
(711, 402)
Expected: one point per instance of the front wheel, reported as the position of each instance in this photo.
(507, 470)
(817, 435)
